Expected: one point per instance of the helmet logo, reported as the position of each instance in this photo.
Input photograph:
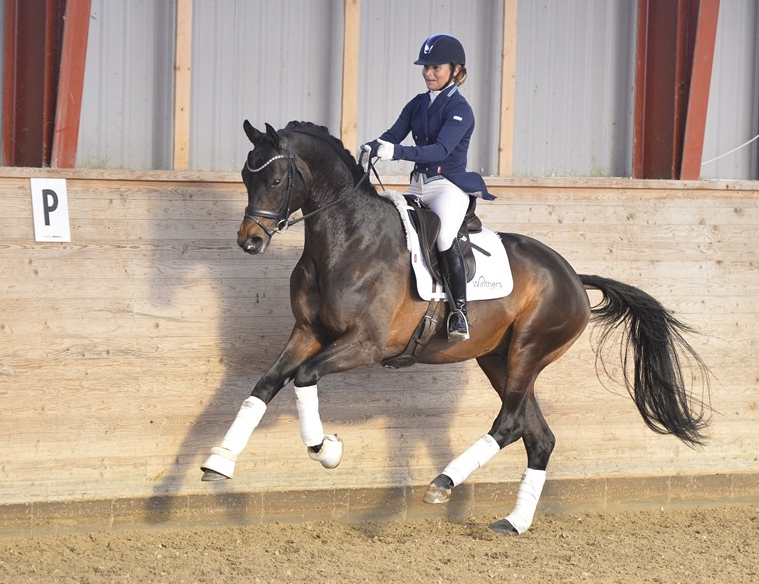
(427, 49)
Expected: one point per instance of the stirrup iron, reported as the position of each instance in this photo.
(456, 335)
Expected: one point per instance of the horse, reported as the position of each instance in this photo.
(351, 313)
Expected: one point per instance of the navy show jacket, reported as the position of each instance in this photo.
(442, 131)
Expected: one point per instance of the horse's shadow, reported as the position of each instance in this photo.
(244, 362)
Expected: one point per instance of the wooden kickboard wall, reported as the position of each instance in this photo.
(125, 354)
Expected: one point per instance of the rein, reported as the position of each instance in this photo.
(283, 223)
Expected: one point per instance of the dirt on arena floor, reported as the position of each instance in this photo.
(665, 547)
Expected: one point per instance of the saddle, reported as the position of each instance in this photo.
(427, 225)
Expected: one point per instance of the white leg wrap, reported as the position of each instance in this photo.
(527, 499)
(223, 458)
(311, 429)
(331, 452)
(471, 459)
(248, 418)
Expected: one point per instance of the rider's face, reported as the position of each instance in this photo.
(436, 76)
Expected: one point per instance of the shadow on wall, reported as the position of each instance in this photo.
(251, 325)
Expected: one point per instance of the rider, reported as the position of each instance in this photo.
(441, 123)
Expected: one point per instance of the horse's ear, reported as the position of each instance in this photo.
(250, 131)
(272, 133)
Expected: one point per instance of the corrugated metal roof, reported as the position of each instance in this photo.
(575, 79)
(267, 62)
(733, 115)
(278, 61)
(127, 105)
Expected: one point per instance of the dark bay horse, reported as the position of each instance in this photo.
(354, 304)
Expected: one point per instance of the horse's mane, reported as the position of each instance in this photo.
(336, 144)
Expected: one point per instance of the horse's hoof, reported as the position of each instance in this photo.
(220, 465)
(439, 490)
(504, 527)
(330, 451)
(212, 475)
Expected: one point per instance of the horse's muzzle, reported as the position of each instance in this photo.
(252, 245)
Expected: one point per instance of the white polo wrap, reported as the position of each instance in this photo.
(471, 459)
(527, 499)
(311, 429)
(248, 418)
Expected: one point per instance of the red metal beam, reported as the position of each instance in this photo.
(9, 82)
(700, 83)
(69, 107)
(33, 32)
(666, 37)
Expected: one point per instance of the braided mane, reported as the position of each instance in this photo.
(322, 133)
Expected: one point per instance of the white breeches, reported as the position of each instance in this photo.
(447, 201)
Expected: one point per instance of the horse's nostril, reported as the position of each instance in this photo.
(252, 245)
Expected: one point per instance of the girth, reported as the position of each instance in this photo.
(424, 332)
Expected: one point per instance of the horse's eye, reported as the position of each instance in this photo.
(276, 182)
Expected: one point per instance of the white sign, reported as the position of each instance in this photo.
(50, 207)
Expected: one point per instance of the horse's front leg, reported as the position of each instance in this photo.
(324, 448)
(349, 351)
(221, 463)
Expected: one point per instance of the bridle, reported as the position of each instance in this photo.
(282, 215)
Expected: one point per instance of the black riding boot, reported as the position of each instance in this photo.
(454, 275)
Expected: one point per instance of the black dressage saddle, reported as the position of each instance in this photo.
(427, 225)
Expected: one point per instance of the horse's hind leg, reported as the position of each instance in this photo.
(539, 442)
(506, 429)
(519, 417)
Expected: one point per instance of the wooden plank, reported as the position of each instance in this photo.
(125, 355)
(508, 88)
(349, 108)
(153, 269)
(182, 84)
(71, 84)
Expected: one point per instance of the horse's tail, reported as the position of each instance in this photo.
(653, 338)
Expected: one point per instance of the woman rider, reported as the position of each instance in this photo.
(441, 123)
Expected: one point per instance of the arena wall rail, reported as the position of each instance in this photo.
(127, 351)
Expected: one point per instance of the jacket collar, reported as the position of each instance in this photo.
(445, 94)
(448, 91)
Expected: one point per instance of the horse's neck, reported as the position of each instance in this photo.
(358, 225)
(333, 189)
(351, 222)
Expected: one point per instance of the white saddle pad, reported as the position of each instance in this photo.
(492, 278)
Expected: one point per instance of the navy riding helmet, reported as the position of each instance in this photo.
(440, 49)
